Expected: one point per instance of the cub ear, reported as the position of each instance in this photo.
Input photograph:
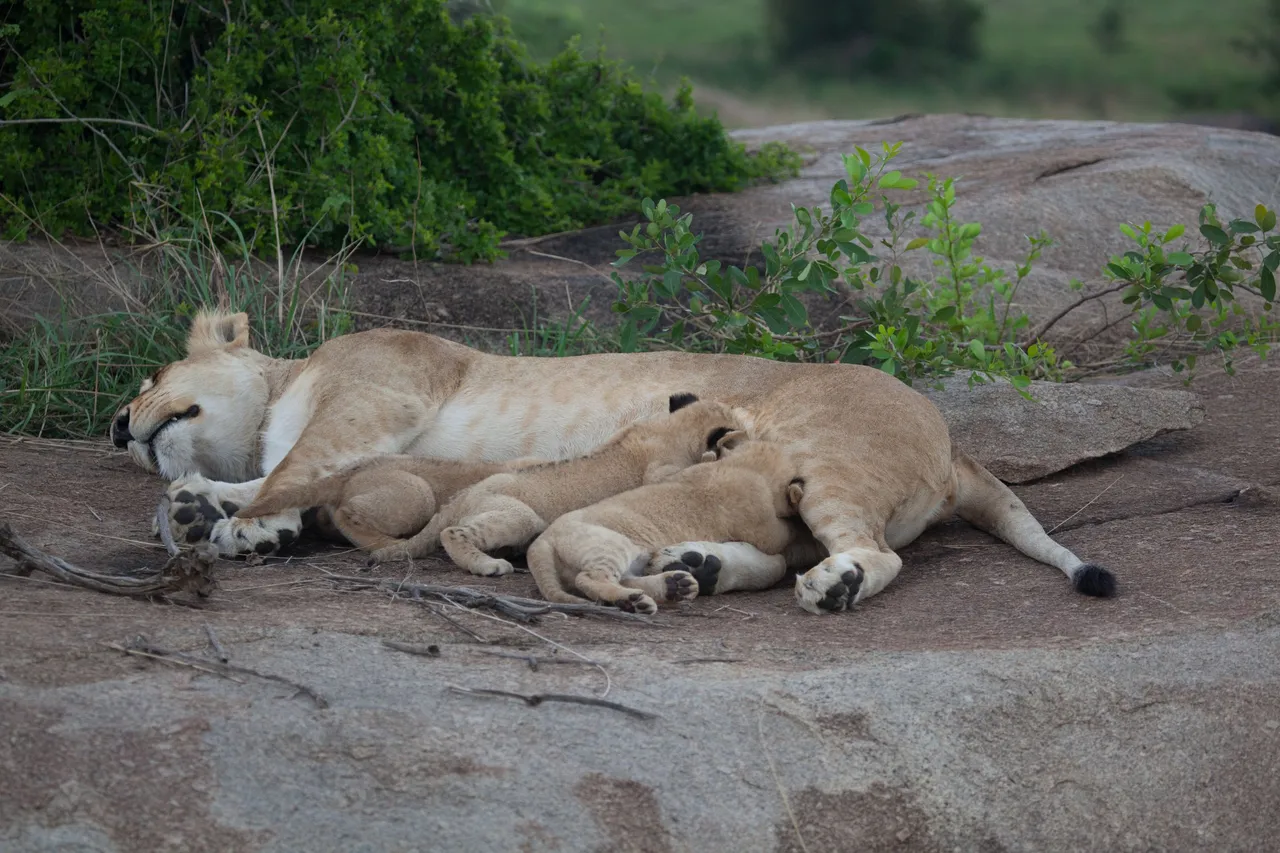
(709, 456)
(212, 330)
(723, 439)
(679, 401)
(795, 492)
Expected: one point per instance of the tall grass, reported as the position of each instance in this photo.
(65, 376)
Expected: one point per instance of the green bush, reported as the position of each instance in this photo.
(384, 122)
(1183, 297)
(880, 36)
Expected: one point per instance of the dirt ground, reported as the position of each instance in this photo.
(106, 751)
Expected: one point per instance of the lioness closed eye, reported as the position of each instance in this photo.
(228, 424)
(508, 510)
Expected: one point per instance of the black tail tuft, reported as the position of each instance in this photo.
(679, 401)
(1094, 580)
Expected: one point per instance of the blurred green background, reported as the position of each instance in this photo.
(754, 61)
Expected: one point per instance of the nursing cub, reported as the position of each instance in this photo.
(749, 496)
(508, 510)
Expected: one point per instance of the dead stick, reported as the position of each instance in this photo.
(141, 647)
(29, 557)
(708, 660)
(533, 660)
(436, 611)
(431, 651)
(533, 700)
(217, 647)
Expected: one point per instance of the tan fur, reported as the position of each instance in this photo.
(875, 455)
(378, 503)
(600, 551)
(509, 510)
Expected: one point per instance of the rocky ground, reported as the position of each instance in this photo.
(977, 704)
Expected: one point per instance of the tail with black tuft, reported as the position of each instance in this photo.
(1094, 580)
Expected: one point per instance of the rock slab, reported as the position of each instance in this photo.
(1020, 440)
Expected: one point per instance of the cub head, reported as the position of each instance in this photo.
(685, 437)
(201, 415)
(770, 460)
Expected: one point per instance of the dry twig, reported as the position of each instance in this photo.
(140, 647)
(189, 571)
(217, 647)
(515, 607)
(535, 699)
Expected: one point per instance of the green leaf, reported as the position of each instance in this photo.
(1266, 219)
(917, 243)
(1215, 235)
(1181, 259)
(889, 179)
(1128, 231)
(977, 350)
(795, 310)
(1193, 322)
(1267, 284)
(1173, 233)
(6, 100)
(1243, 226)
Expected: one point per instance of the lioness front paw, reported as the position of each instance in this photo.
(197, 504)
(831, 586)
(268, 534)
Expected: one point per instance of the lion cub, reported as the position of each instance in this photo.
(378, 503)
(508, 510)
(748, 496)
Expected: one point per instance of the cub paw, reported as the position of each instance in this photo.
(832, 586)
(266, 535)
(703, 565)
(680, 586)
(491, 568)
(637, 602)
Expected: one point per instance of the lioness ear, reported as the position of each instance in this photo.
(212, 331)
(795, 492)
(679, 401)
(730, 439)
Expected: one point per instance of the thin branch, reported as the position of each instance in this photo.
(431, 651)
(140, 647)
(1086, 506)
(1053, 321)
(218, 650)
(533, 700)
(189, 571)
(125, 122)
(533, 660)
(522, 609)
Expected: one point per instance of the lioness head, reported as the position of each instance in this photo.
(200, 415)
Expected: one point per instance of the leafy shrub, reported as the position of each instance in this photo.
(387, 123)
(880, 36)
(1183, 299)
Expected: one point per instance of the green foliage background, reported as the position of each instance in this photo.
(388, 123)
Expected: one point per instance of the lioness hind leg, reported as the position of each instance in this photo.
(506, 522)
(988, 504)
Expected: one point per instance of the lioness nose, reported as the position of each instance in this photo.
(120, 435)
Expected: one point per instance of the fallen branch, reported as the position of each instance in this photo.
(516, 607)
(215, 645)
(533, 660)
(431, 651)
(185, 571)
(533, 700)
(140, 647)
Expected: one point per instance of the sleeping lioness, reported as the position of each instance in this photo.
(229, 425)
(601, 550)
(508, 510)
